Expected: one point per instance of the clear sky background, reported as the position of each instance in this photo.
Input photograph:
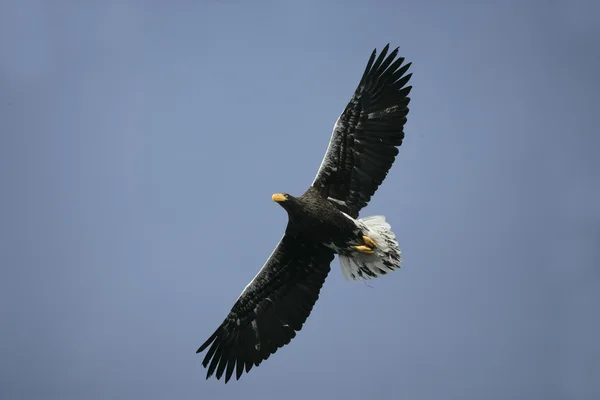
(140, 143)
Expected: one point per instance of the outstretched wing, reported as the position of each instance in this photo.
(270, 310)
(365, 137)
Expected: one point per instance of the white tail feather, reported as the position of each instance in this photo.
(386, 257)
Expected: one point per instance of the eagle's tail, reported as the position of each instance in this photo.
(386, 254)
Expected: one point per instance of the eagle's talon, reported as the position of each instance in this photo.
(369, 242)
(364, 249)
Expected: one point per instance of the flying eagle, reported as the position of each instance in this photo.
(321, 223)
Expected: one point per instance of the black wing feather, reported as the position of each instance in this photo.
(272, 308)
(365, 138)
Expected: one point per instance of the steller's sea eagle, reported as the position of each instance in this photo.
(321, 223)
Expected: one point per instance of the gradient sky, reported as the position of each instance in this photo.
(140, 143)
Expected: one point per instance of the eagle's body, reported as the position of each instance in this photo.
(323, 222)
(314, 218)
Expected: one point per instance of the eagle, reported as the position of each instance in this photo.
(323, 222)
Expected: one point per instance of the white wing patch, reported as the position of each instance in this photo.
(332, 143)
(265, 264)
(340, 202)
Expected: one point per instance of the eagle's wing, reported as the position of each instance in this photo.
(365, 137)
(270, 310)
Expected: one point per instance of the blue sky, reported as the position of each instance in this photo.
(140, 143)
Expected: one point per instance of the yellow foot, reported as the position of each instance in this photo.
(368, 241)
(364, 249)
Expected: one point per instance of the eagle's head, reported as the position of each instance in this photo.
(285, 200)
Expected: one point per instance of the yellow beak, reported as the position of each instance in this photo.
(278, 197)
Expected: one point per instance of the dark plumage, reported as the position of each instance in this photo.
(321, 223)
(364, 142)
